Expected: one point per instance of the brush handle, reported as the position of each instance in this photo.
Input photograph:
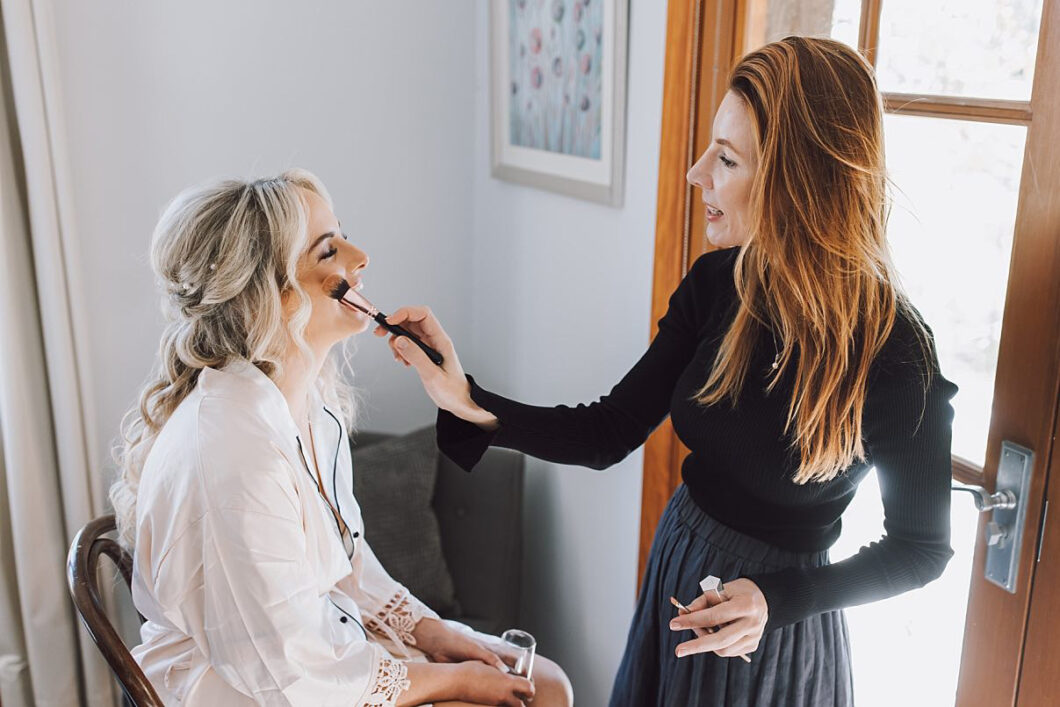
(398, 330)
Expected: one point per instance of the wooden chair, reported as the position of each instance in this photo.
(81, 565)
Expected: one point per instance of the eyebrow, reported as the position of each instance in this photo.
(723, 141)
(329, 234)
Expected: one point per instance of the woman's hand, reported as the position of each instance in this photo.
(446, 384)
(443, 644)
(741, 618)
(484, 685)
(467, 682)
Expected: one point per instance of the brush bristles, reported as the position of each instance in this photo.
(336, 287)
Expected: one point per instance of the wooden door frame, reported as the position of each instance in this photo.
(698, 33)
(709, 33)
(1033, 344)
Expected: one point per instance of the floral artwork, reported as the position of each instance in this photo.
(555, 62)
(558, 95)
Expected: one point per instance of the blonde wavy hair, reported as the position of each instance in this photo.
(224, 254)
(816, 269)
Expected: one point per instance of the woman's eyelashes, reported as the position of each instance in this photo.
(726, 161)
(332, 250)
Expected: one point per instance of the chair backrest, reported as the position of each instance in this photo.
(81, 565)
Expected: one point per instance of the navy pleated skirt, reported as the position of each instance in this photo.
(806, 664)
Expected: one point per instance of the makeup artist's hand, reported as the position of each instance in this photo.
(446, 384)
(742, 618)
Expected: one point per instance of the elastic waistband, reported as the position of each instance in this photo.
(705, 527)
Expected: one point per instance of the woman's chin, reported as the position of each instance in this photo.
(347, 329)
(721, 237)
(358, 326)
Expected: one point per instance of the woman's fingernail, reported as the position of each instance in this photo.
(674, 626)
(401, 343)
(681, 653)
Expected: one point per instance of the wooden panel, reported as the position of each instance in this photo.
(1025, 391)
(683, 35)
(869, 31)
(984, 110)
(701, 45)
(1041, 209)
(1041, 663)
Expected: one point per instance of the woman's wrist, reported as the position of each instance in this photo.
(480, 416)
(467, 409)
(430, 682)
(427, 633)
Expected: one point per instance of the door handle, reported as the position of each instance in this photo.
(1008, 504)
(986, 501)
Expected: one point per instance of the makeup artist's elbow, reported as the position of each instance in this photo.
(607, 458)
(932, 563)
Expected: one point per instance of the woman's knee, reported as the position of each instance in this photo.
(553, 688)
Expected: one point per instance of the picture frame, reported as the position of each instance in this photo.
(558, 95)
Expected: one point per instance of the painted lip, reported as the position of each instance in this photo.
(710, 215)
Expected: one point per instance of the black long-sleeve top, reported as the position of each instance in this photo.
(742, 463)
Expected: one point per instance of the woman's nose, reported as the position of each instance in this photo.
(697, 176)
(358, 259)
(362, 260)
(690, 175)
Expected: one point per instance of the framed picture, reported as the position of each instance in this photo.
(558, 89)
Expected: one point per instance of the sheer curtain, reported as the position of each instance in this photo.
(49, 471)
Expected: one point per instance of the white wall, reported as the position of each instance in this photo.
(547, 297)
(562, 292)
(377, 101)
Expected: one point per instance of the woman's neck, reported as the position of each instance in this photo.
(296, 380)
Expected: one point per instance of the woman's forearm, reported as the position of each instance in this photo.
(430, 682)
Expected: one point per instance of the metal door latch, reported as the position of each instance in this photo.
(1008, 503)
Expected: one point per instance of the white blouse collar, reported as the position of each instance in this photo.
(242, 380)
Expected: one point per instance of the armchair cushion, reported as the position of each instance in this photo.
(394, 482)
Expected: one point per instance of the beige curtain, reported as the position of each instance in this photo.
(49, 470)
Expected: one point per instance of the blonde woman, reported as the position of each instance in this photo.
(250, 561)
(790, 362)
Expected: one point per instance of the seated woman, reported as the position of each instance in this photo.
(249, 558)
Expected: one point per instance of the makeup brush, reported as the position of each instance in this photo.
(338, 288)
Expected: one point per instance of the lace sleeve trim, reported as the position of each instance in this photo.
(398, 618)
(391, 679)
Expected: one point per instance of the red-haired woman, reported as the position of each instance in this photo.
(790, 362)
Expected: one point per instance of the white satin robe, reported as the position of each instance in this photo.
(248, 590)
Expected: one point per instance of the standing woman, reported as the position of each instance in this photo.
(790, 362)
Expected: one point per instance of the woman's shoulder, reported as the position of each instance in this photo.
(716, 263)
(232, 420)
(706, 290)
(708, 282)
(909, 356)
(911, 342)
(244, 402)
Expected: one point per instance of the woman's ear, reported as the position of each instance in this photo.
(288, 301)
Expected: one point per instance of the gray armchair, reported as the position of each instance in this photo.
(478, 517)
